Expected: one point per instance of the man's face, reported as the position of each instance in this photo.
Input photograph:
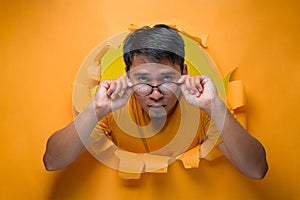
(156, 104)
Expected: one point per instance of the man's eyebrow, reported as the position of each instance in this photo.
(141, 74)
(168, 73)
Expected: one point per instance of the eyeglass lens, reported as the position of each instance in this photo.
(167, 88)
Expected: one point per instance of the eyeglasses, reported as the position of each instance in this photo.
(166, 88)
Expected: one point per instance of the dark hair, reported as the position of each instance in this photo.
(158, 43)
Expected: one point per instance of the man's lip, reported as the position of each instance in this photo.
(156, 106)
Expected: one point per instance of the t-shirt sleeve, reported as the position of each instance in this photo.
(209, 145)
(102, 138)
(101, 129)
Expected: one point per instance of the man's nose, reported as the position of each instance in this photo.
(156, 95)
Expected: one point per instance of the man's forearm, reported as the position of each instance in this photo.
(243, 150)
(64, 146)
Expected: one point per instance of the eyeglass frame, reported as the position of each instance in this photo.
(155, 86)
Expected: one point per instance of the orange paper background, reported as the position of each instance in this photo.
(43, 43)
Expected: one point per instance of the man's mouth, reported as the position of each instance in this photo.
(157, 106)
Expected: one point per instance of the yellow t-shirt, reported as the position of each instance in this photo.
(129, 129)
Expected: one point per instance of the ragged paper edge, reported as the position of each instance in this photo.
(190, 159)
(94, 70)
(132, 165)
(236, 98)
(156, 163)
(83, 92)
(235, 95)
(227, 78)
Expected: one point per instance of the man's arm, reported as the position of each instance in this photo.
(245, 152)
(65, 145)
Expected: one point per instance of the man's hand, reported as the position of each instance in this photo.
(112, 95)
(199, 91)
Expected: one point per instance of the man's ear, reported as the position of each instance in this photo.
(185, 70)
(127, 72)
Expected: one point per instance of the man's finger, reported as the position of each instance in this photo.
(181, 79)
(124, 85)
(118, 87)
(198, 86)
(111, 89)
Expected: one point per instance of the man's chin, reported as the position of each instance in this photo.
(157, 114)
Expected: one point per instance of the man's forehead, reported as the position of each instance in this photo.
(143, 62)
(153, 68)
(140, 58)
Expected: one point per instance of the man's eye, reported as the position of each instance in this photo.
(167, 78)
(143, 79)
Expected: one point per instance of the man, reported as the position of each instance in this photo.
(156, 91)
